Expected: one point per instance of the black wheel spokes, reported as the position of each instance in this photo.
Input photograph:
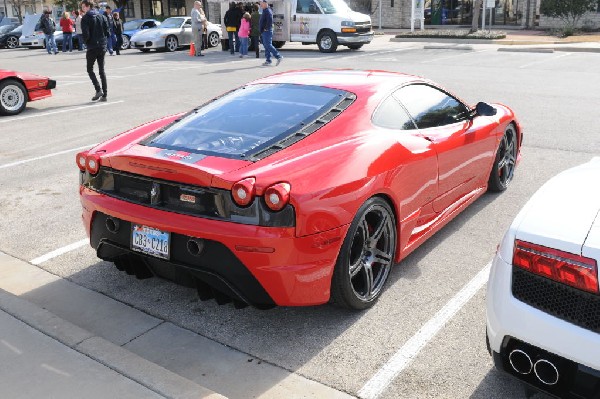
(506, 165)
(372, 253)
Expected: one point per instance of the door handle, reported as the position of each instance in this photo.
(294, 17)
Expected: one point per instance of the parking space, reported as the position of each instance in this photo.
(553, 95)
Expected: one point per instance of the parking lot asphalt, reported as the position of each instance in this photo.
(299, 351)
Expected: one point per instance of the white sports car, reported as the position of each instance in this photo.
(543, 300)
(173, 33)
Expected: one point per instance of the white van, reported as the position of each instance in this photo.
(328, 23)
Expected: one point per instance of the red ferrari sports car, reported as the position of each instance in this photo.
(16, 88)
(295, 189)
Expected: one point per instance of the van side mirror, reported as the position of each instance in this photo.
(484, 109)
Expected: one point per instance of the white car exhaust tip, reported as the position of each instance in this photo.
(520, 362)
(546, 372)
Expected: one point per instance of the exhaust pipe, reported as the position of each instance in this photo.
(195, 246)
(520, 362)
(112, 225)
(546, 372)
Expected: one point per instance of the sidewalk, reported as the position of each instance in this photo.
(523, 39)
(43, 355)
(71, 340)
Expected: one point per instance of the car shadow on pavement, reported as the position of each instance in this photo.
(499, 385)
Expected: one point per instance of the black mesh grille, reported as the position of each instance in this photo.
(190, 200)
(566, 303)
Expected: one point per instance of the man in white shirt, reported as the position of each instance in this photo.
(198, 19)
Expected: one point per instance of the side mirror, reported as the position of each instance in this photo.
(484, 109)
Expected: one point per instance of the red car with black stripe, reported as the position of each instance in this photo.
(295, 189)
(17, 88)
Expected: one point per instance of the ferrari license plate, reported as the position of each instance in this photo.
(150, 241)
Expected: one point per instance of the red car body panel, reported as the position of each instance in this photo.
(36, 85)
(427, 176)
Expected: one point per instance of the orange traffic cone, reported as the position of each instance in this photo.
(192, 50)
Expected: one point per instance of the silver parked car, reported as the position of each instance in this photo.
(173, 33)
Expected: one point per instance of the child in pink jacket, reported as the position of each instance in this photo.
(243, 34)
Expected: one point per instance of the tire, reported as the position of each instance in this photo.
(213, 39)
(13, 97)
(126, 42)
(278, 44)
(171, 43)
(12, 42)
(354, 46)
(506, 158)
(327, 42)
(366, 256)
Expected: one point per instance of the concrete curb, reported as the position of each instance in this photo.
(459, 44)
(526, 50)
(126, 363)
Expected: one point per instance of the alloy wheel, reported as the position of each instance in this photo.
(508, 156)
(12, 97)
(372, 252)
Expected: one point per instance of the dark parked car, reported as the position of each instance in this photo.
(58, 37)
(9, 35)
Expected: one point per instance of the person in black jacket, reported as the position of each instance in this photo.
(48, 27)
(118, 32)
(94, 29)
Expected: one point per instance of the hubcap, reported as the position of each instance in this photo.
(12, 98)
(508, 157)
(172, 44)
(213, 39)
(125, 44)
(12, 42)
(326, 42)
(371, 253)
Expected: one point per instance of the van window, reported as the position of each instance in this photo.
(307, 7)
(334, 6)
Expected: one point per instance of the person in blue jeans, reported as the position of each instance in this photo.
(266, 31)
(48, 27)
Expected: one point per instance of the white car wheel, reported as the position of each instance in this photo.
(213, 39)
(171, 43)
(13, 97)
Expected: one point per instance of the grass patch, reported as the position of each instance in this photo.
(453, 34)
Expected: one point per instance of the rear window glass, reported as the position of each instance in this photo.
(248, 120)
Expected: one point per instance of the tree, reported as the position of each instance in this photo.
(568, 11)
(68, 5)
(19, 6)
(476, 11)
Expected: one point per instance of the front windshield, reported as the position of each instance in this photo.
(132, 25)
(334, 6)
(172, 23)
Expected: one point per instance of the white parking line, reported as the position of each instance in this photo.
(8, 165)
(18, 118)
(545, 60)
(407, 353)
(60, 251)
(454, 56)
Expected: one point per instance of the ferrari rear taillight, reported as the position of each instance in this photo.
(277, 196)
(89, 162)
(570, 269)
(81, 160)
(93, 163)
(243, 191)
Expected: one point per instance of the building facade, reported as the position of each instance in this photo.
(394, 13)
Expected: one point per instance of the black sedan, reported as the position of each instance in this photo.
(9, 35)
